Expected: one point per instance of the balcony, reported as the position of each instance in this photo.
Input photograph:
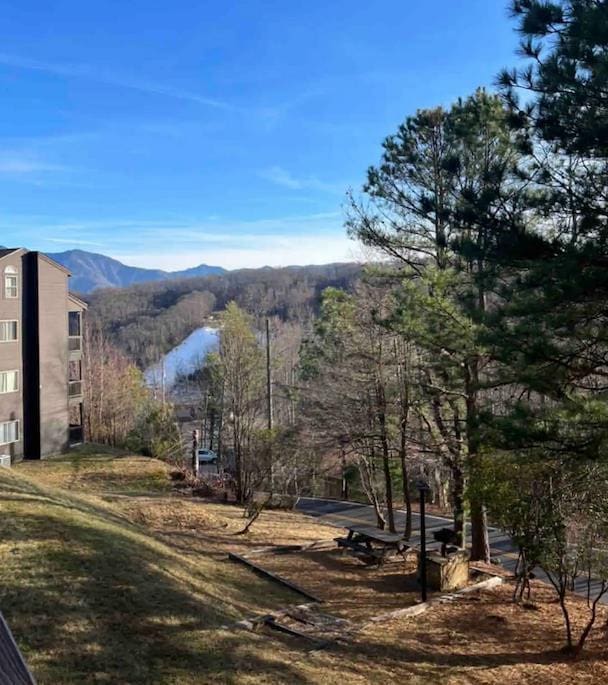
(74, 388)
(74, 343)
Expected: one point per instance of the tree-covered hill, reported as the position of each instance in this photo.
(148, 319)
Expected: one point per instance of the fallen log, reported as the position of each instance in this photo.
(273, 576)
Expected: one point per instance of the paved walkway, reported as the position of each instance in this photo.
(343, 514)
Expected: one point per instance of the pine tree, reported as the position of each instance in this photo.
(439, 201)
(550, 335)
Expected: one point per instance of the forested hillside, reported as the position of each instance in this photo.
(148, 319)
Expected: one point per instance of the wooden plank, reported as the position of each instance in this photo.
(417, 609)
(13, 669)
(276, 549)
(273, 576)
(273, 623)
(376, 534)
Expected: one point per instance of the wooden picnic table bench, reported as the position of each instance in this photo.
(372, 543)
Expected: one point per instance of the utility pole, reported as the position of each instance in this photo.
(268, 376)
(269, 402)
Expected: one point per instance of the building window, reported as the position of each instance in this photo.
(9, 432)
(74, 324)
(75, 370)
(9, 381)
(11, 283)
(8, 331)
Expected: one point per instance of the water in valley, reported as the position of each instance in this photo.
(184, 359)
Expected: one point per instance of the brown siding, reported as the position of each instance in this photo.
(53, 337)
(11, 356)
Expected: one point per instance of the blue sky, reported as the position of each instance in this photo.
(170, 134)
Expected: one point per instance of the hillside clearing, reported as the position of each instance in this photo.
(105, 576)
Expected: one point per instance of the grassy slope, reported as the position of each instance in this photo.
(91, 595)
(106, 578)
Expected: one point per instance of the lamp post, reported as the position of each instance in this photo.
(423, 488)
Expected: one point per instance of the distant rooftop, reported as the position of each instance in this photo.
(5, 251)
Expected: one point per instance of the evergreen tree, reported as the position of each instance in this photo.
(440, 199)
(550, 333)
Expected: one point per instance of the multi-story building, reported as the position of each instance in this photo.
(41, 325)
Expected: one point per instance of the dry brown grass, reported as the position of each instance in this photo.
(213, 527)
(485, 638)
(106, 576)
(349, 588)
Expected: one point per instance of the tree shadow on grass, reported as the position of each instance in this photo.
(24, 491)
(90, 603)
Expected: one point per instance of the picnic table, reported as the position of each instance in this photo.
(372, 543)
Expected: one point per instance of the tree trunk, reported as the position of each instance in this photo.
(403, 425)
(458, 504)
(388, 484)
(211, 427)
(238, 465)
(480, 543)
(367, 480)
(407, 499)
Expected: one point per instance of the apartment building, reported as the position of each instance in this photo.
(41, 325)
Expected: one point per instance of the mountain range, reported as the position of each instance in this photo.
(91, 271)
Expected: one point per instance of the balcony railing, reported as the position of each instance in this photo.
(74, 343)
(74, 388)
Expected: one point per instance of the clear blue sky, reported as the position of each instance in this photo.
(172, 133)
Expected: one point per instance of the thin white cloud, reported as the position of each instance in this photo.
(19, 164)
(281, 177)
(90, 73)
(285, 179)
(280, 251)
(75, 241)
(317, 238)
(210, 229)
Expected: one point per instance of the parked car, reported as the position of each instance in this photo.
(207, 457)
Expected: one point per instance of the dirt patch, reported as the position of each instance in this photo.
(486, 638)
(348, 588)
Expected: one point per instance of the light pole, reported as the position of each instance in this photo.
(423, 488)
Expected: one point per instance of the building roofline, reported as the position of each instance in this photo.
(8, 252)
(77, 300)
(11, 251)
(52, 262)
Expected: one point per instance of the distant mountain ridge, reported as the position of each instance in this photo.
(91, 271)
